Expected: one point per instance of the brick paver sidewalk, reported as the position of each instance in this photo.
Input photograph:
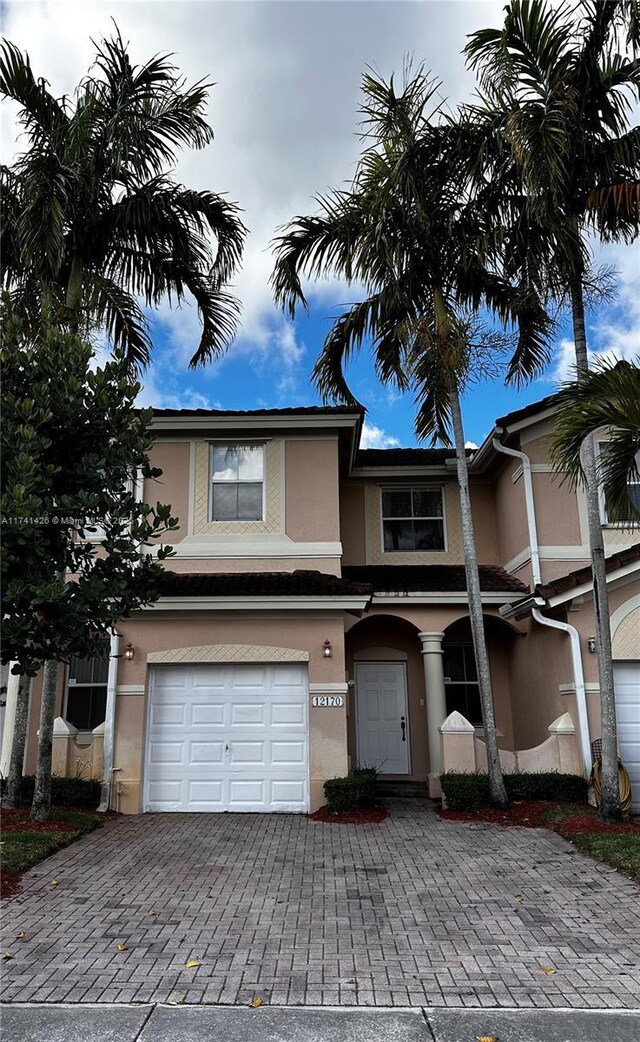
(414, 912)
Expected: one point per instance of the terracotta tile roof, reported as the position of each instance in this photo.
(300, 583)
(583, 575)
(303, 410)
(402, 457)
(431, 578)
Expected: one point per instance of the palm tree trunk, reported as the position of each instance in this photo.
(13, 791)
(610, 806)
(497, 790)
(41, 806)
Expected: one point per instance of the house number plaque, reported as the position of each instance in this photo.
(327, 700)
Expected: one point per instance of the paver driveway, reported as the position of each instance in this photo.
(413, 912)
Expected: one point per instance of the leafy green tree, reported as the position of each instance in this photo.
(606, 399)
(91, 217)
(558, 84)
(73, 445)
(404, 233)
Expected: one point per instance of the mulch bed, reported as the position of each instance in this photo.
(532, 813)
(365, 816)
(9, 885)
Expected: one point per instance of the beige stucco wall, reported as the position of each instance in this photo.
(511, 518)
(352, 523)
(312, 509)
(556, 511)
(173, 485)
(483, 509)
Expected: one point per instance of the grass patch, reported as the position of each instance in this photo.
(25, 844)
(563, 811)
(21, 850)
(621, 851)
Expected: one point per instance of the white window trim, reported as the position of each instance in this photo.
(213, 443)
(416, 485)
(67, 685)
(604, 520)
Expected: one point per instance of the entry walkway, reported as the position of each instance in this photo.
(416, 912)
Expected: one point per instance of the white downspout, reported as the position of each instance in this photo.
(13, 684)
(571, 631)
(578, 679)
(109, 723)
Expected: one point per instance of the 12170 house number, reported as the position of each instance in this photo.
(327, 700)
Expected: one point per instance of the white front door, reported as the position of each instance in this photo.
(627, 685)
(381, 714)
(227, 737)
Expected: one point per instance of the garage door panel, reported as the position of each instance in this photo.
(227, 738)
(205, 792)
(287, 715)
(292, 753)
(204, 714)
(248, 713)
(206, 753)
(167, 752)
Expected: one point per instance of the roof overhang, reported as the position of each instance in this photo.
(347, 602)
(247, 422)
(455, 597)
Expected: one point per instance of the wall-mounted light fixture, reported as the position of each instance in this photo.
(327, 649)
(129, 651)
(591, 644)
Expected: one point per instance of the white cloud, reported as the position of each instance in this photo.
(284, 109)
(470, 445)
(376, 438)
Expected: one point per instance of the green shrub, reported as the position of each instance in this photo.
(465, 791)
(350, 793)
(65, 792)
(471, 791)
(547, 785)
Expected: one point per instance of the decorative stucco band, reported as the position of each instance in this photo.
(274, 491)
(228, 653)
(626, 639)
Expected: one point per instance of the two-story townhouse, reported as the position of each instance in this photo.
(315, 615)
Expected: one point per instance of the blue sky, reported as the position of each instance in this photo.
(284, 109)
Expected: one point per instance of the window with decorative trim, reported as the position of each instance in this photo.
(87, 692)
(413, 519)
(237, 482)
(461, 681)
(633, 488)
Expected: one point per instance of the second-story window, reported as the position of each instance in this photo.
(612, 517)
(412, 519)
(237, 473)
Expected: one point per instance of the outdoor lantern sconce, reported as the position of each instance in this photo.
(327, 649)
(129, 651)
(591, 644)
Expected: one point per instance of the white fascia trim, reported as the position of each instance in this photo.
(443, 598)
(519, 560)
(391, 472)
(548, 553)
(626, 572)
(334, 689)
(251, 423)
(193, 547)
(336, 603)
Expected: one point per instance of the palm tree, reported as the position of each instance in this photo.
(556, 94)
(607, 398)
(403, 233)
(90, 216)
(92, 223)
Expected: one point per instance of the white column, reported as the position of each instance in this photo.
(436, 704)
(13, 683)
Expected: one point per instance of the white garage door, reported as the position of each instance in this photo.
(227, 737)
(627, 682)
